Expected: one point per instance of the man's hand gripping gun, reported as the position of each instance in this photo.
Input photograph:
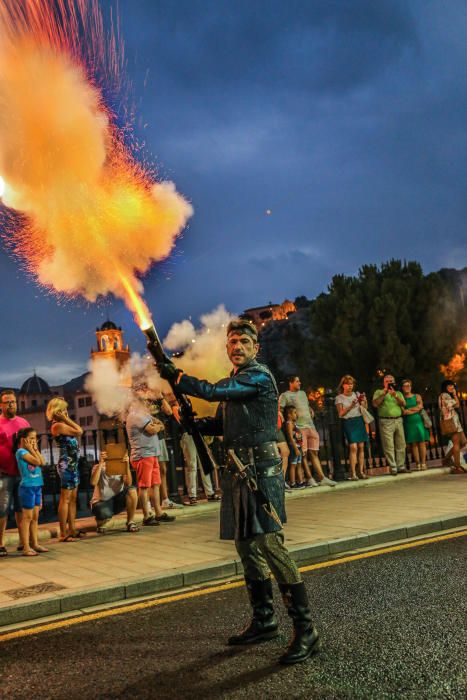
(187, 415)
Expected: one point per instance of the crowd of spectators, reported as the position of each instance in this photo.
(400, 415)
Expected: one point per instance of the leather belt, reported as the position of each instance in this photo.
(266, 451)
(273, 470)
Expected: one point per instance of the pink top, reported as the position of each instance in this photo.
(8, 428)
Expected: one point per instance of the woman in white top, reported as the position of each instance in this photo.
(349, 407)
(448, 402)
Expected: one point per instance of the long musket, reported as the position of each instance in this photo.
(187, 415)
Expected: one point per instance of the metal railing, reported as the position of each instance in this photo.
(333, 454)
(334, 450)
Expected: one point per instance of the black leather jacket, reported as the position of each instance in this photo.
(249, 405)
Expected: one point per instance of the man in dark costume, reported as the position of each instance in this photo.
(252, 507)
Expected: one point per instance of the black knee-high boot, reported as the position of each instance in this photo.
(263, 625)
(305, 641)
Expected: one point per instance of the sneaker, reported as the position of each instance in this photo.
(295, 487)
(312, 482)
(288, 487)
(394, 472)
(164, 518)
(328, 482)
(168, 504)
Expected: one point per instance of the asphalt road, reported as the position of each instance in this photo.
(393, 626)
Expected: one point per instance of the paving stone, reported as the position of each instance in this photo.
(390, 534)
(153, 584)
(309, 553)
(453, 521)
(85, 599)
(209, 573)
(424, 527)
(29, 611)
(345, 544)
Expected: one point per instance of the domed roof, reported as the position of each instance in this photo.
(35, 385)
(109, 326)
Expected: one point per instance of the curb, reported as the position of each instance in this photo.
(88, 524)
(79, 601)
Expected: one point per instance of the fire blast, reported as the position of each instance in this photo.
(84, 217)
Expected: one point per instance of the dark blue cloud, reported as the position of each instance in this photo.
(345, 118)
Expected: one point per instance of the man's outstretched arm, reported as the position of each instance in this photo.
(230, 389)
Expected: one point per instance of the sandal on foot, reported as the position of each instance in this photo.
(79, 534)
(40, 549)
(68, 538)
(214, 497)
(151, 521)
(29, 553)
(132, 527)
(193, 501)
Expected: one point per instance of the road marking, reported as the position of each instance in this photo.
(133, 607)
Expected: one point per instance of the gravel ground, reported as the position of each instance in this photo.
(393, 626)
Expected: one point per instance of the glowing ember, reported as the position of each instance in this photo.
(88, 219)
(454, 366)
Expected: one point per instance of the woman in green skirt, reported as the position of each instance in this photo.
(416, 435)
(349, 407)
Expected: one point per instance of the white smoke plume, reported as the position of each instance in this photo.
(204, 356)
(115, 387)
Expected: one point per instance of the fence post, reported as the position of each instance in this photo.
(334, 431)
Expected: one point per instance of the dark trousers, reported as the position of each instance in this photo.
(267, 553)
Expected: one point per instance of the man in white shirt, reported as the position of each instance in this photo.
(310, 445)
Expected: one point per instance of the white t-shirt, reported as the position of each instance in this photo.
(347, 401)
(300, 400)
(107, 487)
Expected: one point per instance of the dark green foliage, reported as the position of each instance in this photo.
(391, 318)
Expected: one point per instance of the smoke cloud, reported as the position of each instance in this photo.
(203, 350)
(90, 215)
(114, 388)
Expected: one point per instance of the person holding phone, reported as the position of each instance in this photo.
(390, 404)
(349, 407)
(113, 493)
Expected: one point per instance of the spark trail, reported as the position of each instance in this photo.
(83, 215)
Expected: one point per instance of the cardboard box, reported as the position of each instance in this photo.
(115, 462)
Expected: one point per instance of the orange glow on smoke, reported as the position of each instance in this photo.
(454, 366)
(85, 218)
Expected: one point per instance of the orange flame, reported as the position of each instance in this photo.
(454, 366)
(136, 304)
(87, 218)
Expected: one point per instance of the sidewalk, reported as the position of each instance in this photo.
(322, 522)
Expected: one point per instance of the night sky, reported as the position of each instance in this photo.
(344, 118)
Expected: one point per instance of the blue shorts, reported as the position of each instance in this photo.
(69, 480)
(30, 496)
(9, 491)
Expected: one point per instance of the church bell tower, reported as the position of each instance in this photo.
(110, 344)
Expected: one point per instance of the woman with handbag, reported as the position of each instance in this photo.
(350, 407)
(416, 434)
(450, 424)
